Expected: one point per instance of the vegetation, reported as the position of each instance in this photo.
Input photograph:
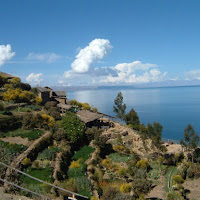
(119, 107)
(73, 127)
(48, 154)
(191, 139)
(77, 171)
(118, 166)
(30, 134)
(132, 119)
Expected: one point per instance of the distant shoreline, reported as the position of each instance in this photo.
(82, 88)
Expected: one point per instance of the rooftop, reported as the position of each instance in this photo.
(88, 116)
(41, 89)
(64, 106)
(59, 93)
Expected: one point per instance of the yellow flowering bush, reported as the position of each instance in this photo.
(125, 188)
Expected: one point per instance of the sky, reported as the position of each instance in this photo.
(100, 42)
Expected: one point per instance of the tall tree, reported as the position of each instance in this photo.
(132, 118)
(191, 140)
(119, 107)
(155, 133)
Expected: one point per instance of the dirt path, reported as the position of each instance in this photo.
(159, 190)
(6, 196)
(17, 140)
(194, 187)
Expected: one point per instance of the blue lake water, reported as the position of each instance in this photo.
(173, 107)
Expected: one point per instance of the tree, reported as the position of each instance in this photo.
(141, 185)
(191, 139)
(155, 133)
(132, 118)
(73, 127)
(120, 107)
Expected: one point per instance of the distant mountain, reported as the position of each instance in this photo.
(168, 83)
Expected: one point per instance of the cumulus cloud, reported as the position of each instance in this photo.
(122, 74)
(5, 53)
(46, 57)
(135, 72)
(34, 79)
(95, 51)
(193, 74)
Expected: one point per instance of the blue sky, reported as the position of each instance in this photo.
(100, 42)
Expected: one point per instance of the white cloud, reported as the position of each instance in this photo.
(34, 79)
(5, 53)
(134, 66)
(95, 51)
(135, 72)
(121, 74)
(193, 74)
(46, 57)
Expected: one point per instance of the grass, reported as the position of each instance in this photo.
(156, 170)
(48, 154)
(8, 151)
(30, 134)
(28, 108)
(12, 148)
(83, 153)
(77, 172)
(168, 178)
(116, 157)
(84, 186)
(44, 174)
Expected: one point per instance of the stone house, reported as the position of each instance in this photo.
(47, 94)
(90, 118)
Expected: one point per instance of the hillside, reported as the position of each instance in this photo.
(74, 147)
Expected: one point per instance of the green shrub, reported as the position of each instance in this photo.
(44, 174)
(54, 112)
(8, 151)
(86, 106)
(73, 127)
(26, 161)
(9, 123)
(190, 172)
(93, 132)
(48, 154)
(125, 188)
(83, 153)
(12, 148)
(29, 108)
(76, 172)
(76, 103)
(178, 179)
(110, 193)
(84, 186)
(31, 135)
(116, 157)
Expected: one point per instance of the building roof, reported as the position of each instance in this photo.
(88, 116)
(59, 93)
(7, 75)
(41, 89)
(64, 106)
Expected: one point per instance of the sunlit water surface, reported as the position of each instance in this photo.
(173, 107)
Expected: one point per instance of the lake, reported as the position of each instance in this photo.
(173, 107)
